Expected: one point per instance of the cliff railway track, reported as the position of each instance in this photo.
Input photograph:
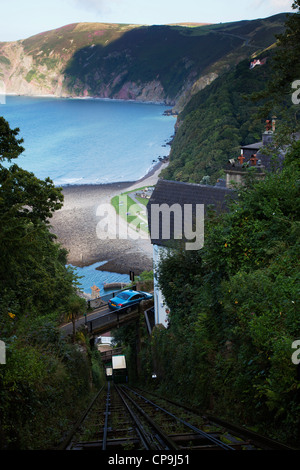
(121, 418)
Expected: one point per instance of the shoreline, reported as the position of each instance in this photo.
(151, 172)
(76, 226)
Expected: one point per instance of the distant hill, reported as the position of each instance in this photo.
(147, 63)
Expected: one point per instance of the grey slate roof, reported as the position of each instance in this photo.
(175, 192)
(269, 162)
(256, 146)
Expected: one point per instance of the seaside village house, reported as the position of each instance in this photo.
(216, 197)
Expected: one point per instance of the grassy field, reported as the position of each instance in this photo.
(130, 211)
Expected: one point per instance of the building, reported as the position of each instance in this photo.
(258, 155)
(172, 195)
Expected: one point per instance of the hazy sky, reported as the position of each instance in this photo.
(20, 19)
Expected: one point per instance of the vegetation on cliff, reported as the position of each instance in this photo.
(149, 63)
(224, 116)
(173, 56)
(215, 123)
(234, 304)
(45, 379)
(234, 313)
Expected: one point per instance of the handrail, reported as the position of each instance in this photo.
(111, 319)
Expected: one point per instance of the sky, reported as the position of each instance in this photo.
(20, 19)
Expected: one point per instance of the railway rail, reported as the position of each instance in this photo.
(121, 418)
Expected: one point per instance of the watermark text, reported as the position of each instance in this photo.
(2, 92)
(168, 222)
(2, 353)
(296, 354)
(296, 94)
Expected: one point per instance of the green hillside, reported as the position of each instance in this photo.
(215, 123)
(72, 37)
(175, 56)
(169, 54)
(146, 63)
(222, 117)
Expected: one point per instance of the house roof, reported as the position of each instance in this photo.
(256, 146)
(176, 192)
(264, 161)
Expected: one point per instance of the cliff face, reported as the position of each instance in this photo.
(146, 63)
(36, 66)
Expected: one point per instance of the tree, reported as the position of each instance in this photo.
(237, 313)
(10, 147)
(22, 195)
(36, 289)
(76, 308)
(276, 98)
(32, 266)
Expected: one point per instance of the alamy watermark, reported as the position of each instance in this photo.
(173, 222)
(296, 94)
(296, 354)
(186, 225)
(2, 92)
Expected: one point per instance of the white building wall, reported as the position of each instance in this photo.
(160, 307)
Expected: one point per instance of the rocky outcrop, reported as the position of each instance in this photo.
(198, 85)
(40, 65)
(22, 75)
(130, 90)
(151, 91)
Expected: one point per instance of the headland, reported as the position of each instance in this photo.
(76, 222)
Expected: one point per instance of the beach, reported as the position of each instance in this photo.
(76, 226)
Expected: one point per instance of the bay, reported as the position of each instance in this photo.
(88, 141)
(90, 275)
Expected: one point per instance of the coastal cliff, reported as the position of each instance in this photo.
(131, 62)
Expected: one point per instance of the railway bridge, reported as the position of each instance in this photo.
(102, 320)
(112, 319)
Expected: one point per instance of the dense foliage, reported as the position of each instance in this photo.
(234, 304)
(173, 56)
(215, 123)
(286, 69)
(44, 376)
(224, 116)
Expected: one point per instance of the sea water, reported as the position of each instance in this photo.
(88, 141)
(89, 276)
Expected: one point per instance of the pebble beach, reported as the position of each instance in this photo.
(77, 229)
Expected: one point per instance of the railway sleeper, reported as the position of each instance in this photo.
(115, 444)
(195, 441)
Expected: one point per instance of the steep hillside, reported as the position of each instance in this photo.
(36, 65)
(147, 63)
(215, 123)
